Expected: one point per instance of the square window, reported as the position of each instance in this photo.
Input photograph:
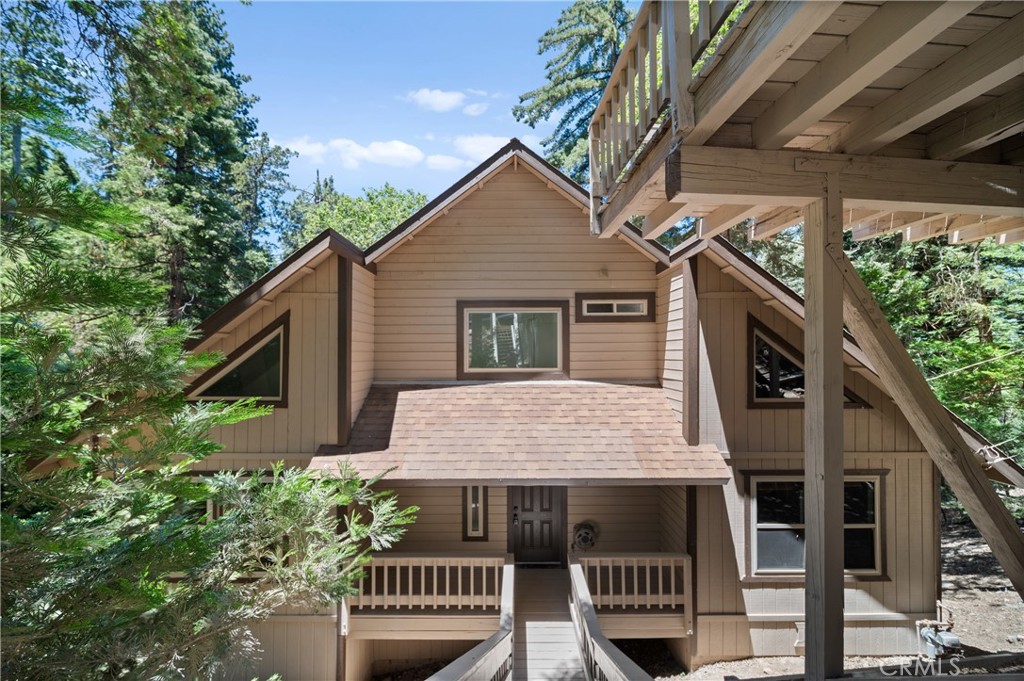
(778, 525)
(520, 339)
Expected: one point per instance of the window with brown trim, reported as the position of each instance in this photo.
(512, 339)
(777, 524)
(615, 306)
(474, 513)
(256, 369)
(777, 372)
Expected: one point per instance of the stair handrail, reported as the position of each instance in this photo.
(602, 660)
(490, 660)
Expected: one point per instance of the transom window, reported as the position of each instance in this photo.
(777, 372)
(257, 368)
(509, 339)
(615, 307)
(778, 530)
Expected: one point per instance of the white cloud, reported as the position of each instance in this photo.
(430, 137)
(478, 93)
(351, 154)
(308, 148)
(444, 162)
(479, 147)
(437, 100)
(475, 109)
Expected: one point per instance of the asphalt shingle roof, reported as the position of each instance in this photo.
(541, 432)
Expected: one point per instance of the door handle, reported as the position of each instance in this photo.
(515, 515)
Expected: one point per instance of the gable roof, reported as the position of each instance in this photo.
(787, 301)
(330, 241)
(512, 153)
(540, 432)
(295, 266)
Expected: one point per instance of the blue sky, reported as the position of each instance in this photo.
(411, 93)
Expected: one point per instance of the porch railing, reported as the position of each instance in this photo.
(423, 581)
(492, 659)
(653, 70)
(601, 659)
(654, 581)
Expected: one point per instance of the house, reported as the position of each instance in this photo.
(875, 118)
(629, 417)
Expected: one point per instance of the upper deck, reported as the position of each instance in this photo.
(744, 110)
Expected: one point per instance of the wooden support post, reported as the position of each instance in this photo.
(940, 436)
(691, 352)
(823, 436)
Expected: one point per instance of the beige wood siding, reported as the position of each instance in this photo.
(725, 419)
(627, 518)
(672, 512)
(670, 336)
(358, 660)
(513, 239)
(363, 283)
(740, 618)
(297, 643)
(438, 526)
(311, 417)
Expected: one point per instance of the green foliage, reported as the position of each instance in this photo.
(153, 94)
(959, 309)
(360, 219)
(585, 43)
(112, 566)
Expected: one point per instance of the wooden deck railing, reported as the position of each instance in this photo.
(640, 580)
(492, 659)
(653, 70)
(601, 659)
(396, 580)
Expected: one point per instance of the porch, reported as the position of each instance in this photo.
(534, 622)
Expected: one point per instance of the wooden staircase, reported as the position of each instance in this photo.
(545, 645)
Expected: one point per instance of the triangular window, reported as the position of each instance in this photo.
(257, 368)
(777, 371)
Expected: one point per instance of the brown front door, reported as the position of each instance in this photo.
(537, 525)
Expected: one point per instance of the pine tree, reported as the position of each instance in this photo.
(112, 566)
(586, 43)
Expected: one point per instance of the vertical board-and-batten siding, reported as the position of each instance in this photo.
(311, 417)
(297, 643)
(736, 610)
(363, 285)
(726, 420)
(734, 613)
(514, 238)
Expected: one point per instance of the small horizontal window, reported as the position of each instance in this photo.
(615, 307)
